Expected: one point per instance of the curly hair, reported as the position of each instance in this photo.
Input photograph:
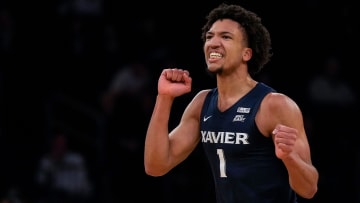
(257, 35)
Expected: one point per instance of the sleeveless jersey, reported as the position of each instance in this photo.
(243, 161)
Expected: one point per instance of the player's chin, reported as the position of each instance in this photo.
(215, 70)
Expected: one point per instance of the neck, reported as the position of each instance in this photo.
(231, 89)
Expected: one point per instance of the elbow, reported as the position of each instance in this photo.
(154, 171)
(309, 194)
(312, 192)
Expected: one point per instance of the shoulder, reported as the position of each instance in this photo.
(275, 100)
(200, 96)
(279, 103)
(280, 108)
(195, 106)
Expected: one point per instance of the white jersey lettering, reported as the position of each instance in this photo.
(224, 137)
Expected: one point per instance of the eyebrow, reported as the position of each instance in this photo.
(222, 33)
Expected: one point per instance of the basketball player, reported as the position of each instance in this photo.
(253, 136)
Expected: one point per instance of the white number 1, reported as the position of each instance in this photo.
(220, 152)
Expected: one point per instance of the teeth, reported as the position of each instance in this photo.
(215, 55)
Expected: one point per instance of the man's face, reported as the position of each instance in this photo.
(225, 46)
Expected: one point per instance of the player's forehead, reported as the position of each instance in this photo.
(225, 26)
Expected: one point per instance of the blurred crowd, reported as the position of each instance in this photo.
(78, 82)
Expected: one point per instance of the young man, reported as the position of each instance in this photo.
(253, 136)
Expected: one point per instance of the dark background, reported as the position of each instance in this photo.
(57, 63)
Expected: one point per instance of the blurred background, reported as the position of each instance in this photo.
(78, 82)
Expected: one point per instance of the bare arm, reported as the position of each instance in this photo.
(164, 150)
(291, 143)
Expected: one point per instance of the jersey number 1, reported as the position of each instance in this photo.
(220, 153)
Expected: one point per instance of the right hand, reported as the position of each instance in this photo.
(174, 82)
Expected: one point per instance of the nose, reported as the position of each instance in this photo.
(213, 42)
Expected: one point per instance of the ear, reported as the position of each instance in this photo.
(247, 54)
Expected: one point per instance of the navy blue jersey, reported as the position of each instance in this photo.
(243, 161)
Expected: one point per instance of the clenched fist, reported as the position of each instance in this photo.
(174, 82)
(284, 138)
